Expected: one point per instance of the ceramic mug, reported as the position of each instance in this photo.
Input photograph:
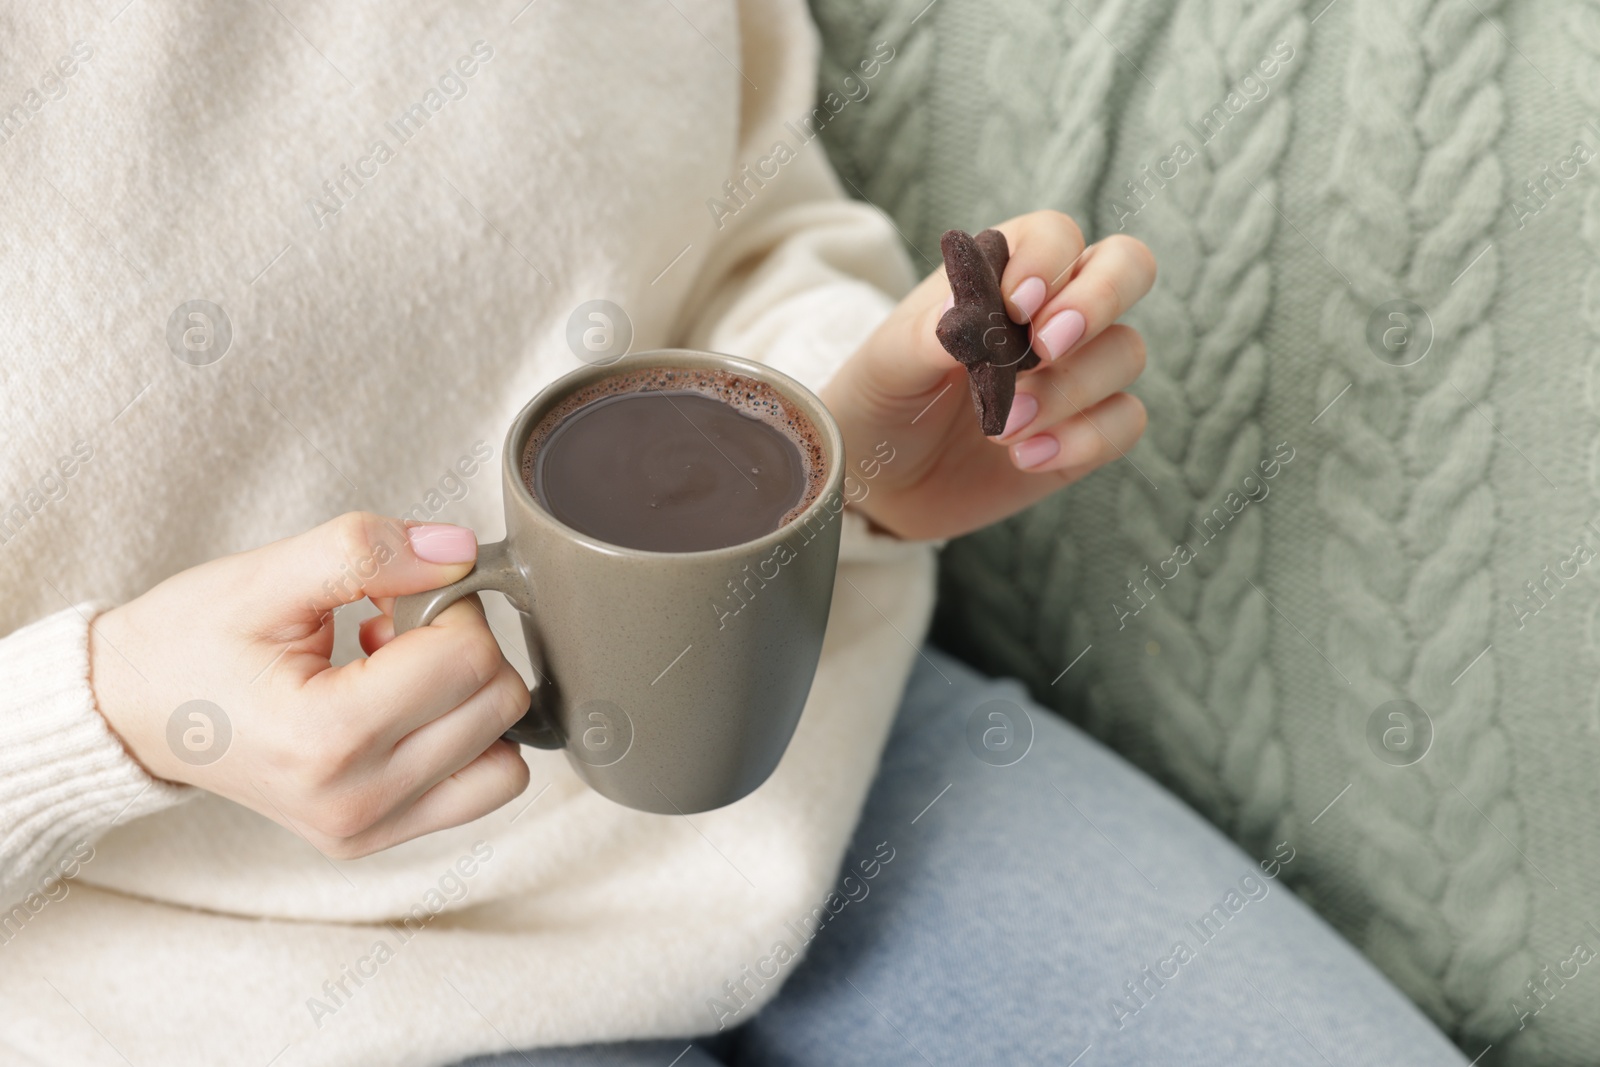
(673, 680)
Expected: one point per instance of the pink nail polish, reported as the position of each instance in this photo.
(1029, 297)
(1060, 333)
(1023, 410)
(1035, 451)
(443, 543)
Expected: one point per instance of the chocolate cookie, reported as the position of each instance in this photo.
(977, 331)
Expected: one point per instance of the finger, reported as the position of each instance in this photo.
(492, 780)
(414, 678)
(1044, 245)
(1056, 391)
(352, 557)
(1112, 276)
(1083, 442)
(442, 747)
(376, 632)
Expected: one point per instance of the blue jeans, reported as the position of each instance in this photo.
(1047, 903)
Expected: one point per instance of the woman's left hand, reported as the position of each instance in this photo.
(1070, 414)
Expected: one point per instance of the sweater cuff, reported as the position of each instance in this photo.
(860, 543)
(65, 778)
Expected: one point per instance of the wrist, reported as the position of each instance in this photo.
(117, 691)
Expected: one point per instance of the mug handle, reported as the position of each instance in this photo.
(495, 570)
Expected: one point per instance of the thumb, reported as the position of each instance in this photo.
(359, 555)
(911, 364)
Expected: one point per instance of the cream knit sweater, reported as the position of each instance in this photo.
(398, 205)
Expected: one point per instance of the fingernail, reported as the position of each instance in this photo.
(1023, 409)
(1061, 333)
(442, 543)
(1034, 451)
(949, 302)
(1029, 297)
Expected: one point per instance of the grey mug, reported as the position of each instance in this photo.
(674, 680)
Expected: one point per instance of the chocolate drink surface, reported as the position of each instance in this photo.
(673, 469)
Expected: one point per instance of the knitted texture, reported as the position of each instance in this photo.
(1375, 163)
(1410, 512)
(1584, 22)
(1048, 76)
(64, 778)
(894, 130)
(372, 360)
(1203, 385)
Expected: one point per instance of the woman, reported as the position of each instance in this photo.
(390, 218)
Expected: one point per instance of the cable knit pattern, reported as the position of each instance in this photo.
(1410, 513)
(1042, 142)
(1048, 75)
(1011, 580)
(1407, 521)
(1203, 385)
(1058, 128)
(1584, 20)
(891, 122)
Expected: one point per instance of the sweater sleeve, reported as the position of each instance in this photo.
(800, 274)
(65, 778)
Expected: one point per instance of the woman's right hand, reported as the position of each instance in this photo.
(356, 758)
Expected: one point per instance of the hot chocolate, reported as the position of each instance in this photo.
(674, 460)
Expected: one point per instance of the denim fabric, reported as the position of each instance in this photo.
(1048, 904)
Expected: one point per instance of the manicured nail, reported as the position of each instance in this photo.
(949, 302)
(442, 543)
(1023, 409)
(1029, 297)
(1060, 333)
(1034, 451)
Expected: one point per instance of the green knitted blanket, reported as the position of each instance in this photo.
(1378, 230)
